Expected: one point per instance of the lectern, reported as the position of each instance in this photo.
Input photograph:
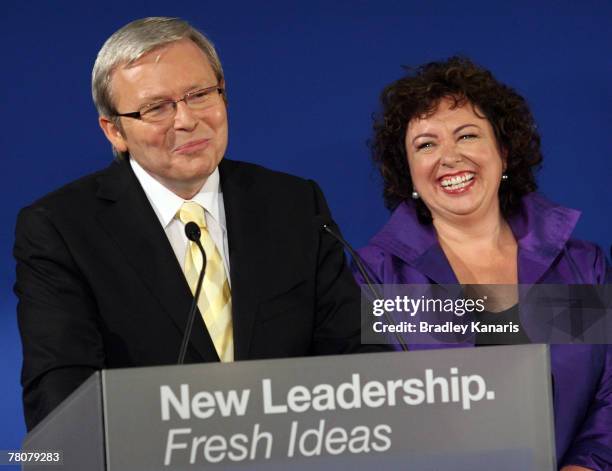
(460, 409)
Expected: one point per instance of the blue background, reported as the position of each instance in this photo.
(303, 81)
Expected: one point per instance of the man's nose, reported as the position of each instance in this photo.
(184, 117)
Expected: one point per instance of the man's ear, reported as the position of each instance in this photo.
(113, 133)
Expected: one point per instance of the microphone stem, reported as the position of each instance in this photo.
(362, 270)
(194, 306)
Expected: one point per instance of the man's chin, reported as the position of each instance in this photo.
(195, 169)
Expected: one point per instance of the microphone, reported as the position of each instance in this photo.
(193, 233)
(326, 226)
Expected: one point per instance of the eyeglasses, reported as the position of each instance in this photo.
(166, 109)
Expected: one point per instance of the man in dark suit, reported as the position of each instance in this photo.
(103, 265)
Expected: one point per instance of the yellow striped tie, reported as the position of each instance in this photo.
(215, 301)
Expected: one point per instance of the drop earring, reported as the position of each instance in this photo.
(415, 195)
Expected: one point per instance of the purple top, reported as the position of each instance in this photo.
(407, 252)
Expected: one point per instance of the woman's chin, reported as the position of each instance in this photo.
(466, 210)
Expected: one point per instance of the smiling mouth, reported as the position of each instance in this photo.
(457, 183)
(192, 146)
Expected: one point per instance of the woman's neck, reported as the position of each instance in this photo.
(490, 230)
(480, 251)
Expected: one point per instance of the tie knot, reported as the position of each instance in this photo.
(192, 211)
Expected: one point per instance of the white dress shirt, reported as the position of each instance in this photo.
(167, 204)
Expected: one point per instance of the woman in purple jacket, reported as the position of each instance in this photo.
(457, 152)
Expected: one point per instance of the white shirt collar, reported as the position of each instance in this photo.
(166, 204)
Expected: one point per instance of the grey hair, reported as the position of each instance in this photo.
(133, 41)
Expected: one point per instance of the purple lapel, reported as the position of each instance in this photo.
(541, 229)
(416, 244)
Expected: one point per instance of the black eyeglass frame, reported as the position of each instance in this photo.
(138, 114)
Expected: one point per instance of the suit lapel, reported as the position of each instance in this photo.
(246, 240)
(129, 219)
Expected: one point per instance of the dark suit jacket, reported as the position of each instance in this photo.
(100, 287)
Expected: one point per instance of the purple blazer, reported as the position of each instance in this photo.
(405, 252)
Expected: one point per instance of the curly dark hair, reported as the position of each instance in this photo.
(458, 78)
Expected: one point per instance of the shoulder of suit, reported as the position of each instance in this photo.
(263, 176)
(73, 193)
(83, 190)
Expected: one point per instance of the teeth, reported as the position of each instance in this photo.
(457, 182)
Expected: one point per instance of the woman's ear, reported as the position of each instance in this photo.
(504, 157)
